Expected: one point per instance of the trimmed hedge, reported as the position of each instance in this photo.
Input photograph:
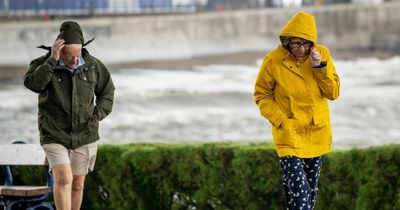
(225, 176)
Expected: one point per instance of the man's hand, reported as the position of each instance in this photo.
(315, 57)
(56, 48)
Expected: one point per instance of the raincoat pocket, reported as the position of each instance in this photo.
(321, 131)
(286, 136)
(320, 120)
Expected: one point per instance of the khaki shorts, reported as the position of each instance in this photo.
(81, 159)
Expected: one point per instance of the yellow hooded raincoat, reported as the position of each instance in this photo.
(293, 96)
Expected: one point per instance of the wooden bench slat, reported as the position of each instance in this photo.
(22, 154)
(24, 190)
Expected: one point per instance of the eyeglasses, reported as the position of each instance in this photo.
(304, 44)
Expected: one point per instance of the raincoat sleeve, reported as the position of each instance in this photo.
(327, 78)
(104, 93)
(265, 98)
(39, 73)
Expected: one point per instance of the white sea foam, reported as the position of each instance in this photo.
(214, 103)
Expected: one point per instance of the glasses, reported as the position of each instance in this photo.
(304, 44)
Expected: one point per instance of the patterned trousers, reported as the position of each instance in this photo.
(300, 181)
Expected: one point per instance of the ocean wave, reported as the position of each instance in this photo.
(215, 103)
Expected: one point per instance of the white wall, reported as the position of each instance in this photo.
(127, 39)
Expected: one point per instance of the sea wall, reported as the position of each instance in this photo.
(134, 38)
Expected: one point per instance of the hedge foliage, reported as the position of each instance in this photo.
(227, 176)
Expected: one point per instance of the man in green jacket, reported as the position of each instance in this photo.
(75, 93)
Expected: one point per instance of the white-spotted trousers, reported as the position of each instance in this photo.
(300, 181)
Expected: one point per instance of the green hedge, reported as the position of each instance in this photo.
(234, 176)
(227, 176)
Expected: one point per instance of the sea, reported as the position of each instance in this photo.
(214, 103)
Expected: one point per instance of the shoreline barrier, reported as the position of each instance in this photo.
(125, 39)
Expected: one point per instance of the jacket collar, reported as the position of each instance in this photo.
(289, 61)
(61, 65)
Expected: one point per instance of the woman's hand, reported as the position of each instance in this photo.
(315, 57)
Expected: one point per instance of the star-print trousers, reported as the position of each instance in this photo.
(300, 181)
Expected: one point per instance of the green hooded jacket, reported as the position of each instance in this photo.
(70, 105)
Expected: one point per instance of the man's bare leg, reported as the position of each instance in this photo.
(77, 191)
(62, 186)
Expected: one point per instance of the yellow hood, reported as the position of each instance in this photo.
(301, 25)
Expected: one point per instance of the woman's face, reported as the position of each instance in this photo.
(300, 47)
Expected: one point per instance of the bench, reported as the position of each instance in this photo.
(24, 197)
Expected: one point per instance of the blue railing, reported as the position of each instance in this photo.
(93, 7)
(84, 7)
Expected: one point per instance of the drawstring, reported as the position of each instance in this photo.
(49, 48)
(88, 42)
(44, 47)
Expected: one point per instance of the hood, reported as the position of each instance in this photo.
(71, 32)
(301, 25)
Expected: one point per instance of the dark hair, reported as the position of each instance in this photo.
(285, 40)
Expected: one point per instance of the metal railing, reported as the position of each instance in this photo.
(109, 7)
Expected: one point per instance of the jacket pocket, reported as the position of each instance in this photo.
(321, 120)
(286, 135)
(86, 85)
(321, 130)
(93, 126)
(51, 124)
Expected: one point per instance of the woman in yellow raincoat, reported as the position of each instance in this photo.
(291, 91)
